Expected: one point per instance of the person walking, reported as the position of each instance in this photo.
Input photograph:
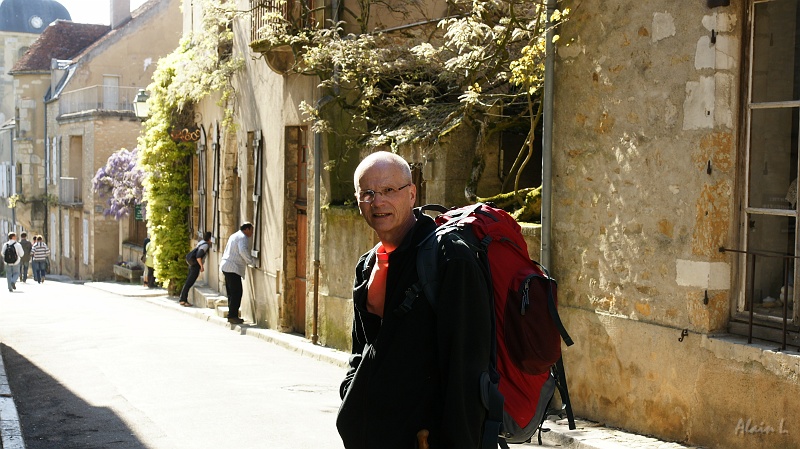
(26, 258)
(150, 264)
(414, 374)
(12, 256)
(144, 257)
(233, 266)
(195, 261)
(40, 254)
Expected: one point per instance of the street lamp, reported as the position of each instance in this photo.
(140, 106)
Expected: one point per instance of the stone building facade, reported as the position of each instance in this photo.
(21, 24)
(87, 114)
(93, 114)
(676, 136)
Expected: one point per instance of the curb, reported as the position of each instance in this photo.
(10, 430)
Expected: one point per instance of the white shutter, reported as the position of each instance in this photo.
(65, 237)
(13, 180)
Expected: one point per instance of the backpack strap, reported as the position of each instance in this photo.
(428, 282)
(561, 384)
(551, 307)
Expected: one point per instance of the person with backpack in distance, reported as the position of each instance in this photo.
(234, 267)
(26, 258)
(416, 366)
(40, 253)
(195, 261)
(12, 256)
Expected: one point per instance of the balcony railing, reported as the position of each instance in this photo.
(69, 191)
(266, 13)
(97, 98)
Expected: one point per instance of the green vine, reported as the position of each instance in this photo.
(47, 200)
(201, 65)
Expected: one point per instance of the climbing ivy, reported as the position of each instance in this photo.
(201, 65)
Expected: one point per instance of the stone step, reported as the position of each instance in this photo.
(203, 296)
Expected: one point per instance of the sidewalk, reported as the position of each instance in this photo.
(588, 435)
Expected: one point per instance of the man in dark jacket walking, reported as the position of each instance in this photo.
(418, 372)
(27, 246)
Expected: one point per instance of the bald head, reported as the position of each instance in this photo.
(388, 207)
(382, 160)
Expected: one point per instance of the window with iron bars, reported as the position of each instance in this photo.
(767, 306)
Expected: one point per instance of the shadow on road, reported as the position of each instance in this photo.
(53, 417)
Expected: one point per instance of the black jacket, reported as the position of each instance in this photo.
(420, 370)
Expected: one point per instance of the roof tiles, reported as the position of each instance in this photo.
(61, 40)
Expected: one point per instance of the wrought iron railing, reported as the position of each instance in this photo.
(751, 262)
(99, 97)
(268, 13)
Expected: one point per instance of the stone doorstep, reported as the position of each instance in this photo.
(203, 296)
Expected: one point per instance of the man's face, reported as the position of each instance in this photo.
(390, 215)
(248, 232)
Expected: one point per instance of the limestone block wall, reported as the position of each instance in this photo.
(645, 160)
(345, 237)
(11, 45)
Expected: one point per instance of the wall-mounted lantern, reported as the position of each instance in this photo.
(140, 107)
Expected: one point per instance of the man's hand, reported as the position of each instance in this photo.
(201, 268)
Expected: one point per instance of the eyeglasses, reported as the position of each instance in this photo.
(368, 196)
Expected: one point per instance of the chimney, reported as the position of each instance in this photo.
(120, 12)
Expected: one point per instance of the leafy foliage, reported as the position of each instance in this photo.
(481, 66)
(201, 65)
(120, 183)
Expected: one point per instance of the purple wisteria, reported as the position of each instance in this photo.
(120, 183)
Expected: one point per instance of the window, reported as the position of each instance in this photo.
(111, 92)
(770, 215)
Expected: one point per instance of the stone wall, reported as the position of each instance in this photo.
(345, 237)
(645, 160)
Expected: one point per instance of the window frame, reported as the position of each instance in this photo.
(766, 327)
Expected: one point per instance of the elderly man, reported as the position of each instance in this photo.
(413, 374)
(233, 266)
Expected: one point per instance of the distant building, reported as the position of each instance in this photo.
(21, 23)
(30, 16)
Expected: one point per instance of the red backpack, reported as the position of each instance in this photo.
(526, 365)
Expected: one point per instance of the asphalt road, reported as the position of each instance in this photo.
(91, 369)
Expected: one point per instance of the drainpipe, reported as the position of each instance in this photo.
(317, 207)
(317, 233)
(14, 181)
(45, 230)
(547, 138)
